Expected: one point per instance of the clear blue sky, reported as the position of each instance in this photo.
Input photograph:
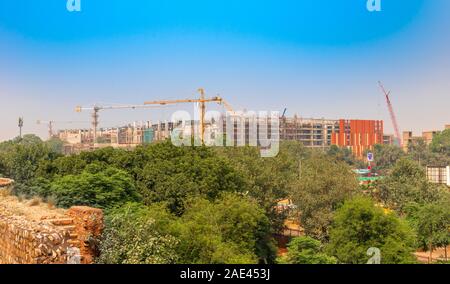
(318, 58)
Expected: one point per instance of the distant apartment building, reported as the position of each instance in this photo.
(388, 139)
(439, 175)
(75, 136)
(408, 137)
(358, 135)
(314, 133)
(429, 135)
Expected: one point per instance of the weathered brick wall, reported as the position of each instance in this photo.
(6, 182)
(23, 242)
(88, 229)
(54, 239)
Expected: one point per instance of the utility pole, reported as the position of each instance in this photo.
(20, 126)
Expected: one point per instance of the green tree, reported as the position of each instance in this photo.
(95, 186)
(306, 250)
(55, 145)
(267, 180)
(131, 236)
(419, 152)
(233, 229)
(230, 230)
(386, 156)
(407, 183)
(20, 158)
(441, 143)
(360, 225)
(174, 174)
(432, 223)
(345, 155)
(324, 185)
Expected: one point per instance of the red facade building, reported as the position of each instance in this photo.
(358, 135)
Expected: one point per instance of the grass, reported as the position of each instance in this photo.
(21, 197)
(5, 192)
(51, 202)
(35, 201)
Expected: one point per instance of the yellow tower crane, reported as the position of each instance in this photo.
(202, 101)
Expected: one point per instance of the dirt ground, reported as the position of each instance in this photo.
(10, 205)
(438, 254)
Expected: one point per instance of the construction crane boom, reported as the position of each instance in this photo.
(50, 124)
(392, 114)
(218, 100)
(95, 114)
(202, 101)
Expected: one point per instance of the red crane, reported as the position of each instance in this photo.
(392, 113)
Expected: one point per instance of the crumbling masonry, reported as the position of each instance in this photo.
(59, 237)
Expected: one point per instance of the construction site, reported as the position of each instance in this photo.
(357, 135)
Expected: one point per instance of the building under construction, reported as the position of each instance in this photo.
(316, 133)
(427, 137)
(357, 135)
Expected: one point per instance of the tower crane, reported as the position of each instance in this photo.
(392, 113)
(50, 124)
(95, 114)
(202, 101)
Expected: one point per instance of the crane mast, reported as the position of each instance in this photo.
(51, 123)
(95, 114)
(392, 114)
(151, 104)
(202, 102)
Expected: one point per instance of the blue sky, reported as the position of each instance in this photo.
(318, 58)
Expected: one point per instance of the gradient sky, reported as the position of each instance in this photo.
(318, 58)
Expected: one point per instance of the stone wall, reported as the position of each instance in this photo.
(88, 229)
(58, 238)
(5, 182)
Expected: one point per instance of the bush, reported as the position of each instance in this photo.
(132, 237)
(406, 184)
(360, 225)
(93, 187)
(232, 222)
(306, 250)
(324, 185)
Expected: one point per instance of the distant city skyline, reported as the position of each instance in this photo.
(317, 58)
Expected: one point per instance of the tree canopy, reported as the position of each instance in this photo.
(306, 250)
(323, 186)
(359, 225)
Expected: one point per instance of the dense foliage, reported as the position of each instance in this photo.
(233, 229)
(360, 225)
(306, 250)
(407, 184)
(167, 204)
(131, 236)
(323, 186)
